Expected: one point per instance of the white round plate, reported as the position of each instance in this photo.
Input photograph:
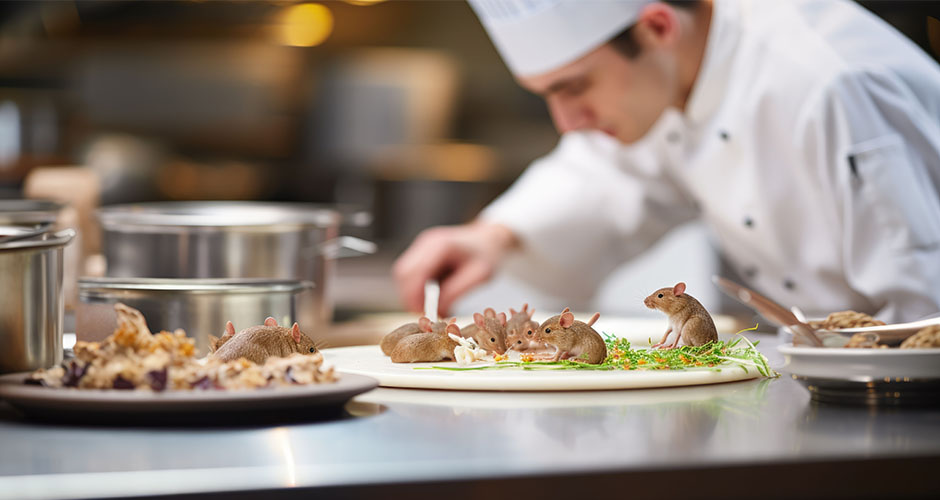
(861, 365)
(866, 376)
(369, 360)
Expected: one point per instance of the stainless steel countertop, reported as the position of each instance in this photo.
(761, 438)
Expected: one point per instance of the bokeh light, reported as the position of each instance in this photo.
(306, 25)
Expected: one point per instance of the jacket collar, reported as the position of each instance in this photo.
(710, 86)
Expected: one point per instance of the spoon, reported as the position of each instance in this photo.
(886, 334)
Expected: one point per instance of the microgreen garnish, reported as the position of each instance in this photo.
(714, 356)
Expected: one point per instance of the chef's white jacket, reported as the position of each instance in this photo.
(810, 147)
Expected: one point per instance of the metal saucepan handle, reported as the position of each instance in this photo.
(346, 246)
(40, 240)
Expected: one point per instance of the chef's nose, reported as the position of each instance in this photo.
(568, 115)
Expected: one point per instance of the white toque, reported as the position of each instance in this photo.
(537, 36)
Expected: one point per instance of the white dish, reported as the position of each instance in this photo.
(868, 376)
(861, 365)
(369, 360)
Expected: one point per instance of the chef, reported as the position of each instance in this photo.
(805, 134)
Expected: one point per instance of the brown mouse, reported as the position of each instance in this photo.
(488, 330)
(256, 343)
(427, 347)
(521, 331)
(573, 339)
(423, 325)
(686, 315)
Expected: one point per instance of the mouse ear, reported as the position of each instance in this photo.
(453, 329)
(269, 321)
(453, 321)
(425, 324)
(502, 318)
(295, 332)
(531, 313)
(567, 318)
(525, 305)
(512, 311)
(679, 289)
(478, 319)
(489, 312)
(229, 328)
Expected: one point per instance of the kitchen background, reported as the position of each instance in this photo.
(400, 107)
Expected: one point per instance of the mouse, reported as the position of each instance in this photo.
(423, 325)
(572, 338)
(427, 346)
(687, 316)
(257, 343)
(488, 330)
(521, 330)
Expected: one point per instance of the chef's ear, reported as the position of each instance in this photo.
(657, 26)
(679, 289)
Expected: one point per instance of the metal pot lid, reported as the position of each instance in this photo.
(106, 287)
(218, 214)
(14, 238)
(22, 212)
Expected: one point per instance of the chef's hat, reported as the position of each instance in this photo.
(537, 36)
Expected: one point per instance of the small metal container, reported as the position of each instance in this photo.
(199, 306)
(31, 298)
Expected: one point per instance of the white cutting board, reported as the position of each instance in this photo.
(369, 360)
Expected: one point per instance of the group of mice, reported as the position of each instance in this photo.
(427, 341)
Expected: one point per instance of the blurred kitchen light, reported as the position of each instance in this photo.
(363, 2)
(59, 18)
(306, 25)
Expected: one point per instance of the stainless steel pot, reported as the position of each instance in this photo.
(232, 240)
(199, 306)
(31, 299)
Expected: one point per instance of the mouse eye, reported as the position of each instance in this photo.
(492, 339)
(529, 332)
(518, 341)
(548, 330)
(660, 295)
(313, 349)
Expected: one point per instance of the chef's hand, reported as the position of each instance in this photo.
(459, 257)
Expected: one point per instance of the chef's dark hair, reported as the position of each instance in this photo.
(626, 44)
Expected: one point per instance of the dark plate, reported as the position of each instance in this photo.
(95, 405)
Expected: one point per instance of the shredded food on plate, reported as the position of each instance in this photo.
(134, 358)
